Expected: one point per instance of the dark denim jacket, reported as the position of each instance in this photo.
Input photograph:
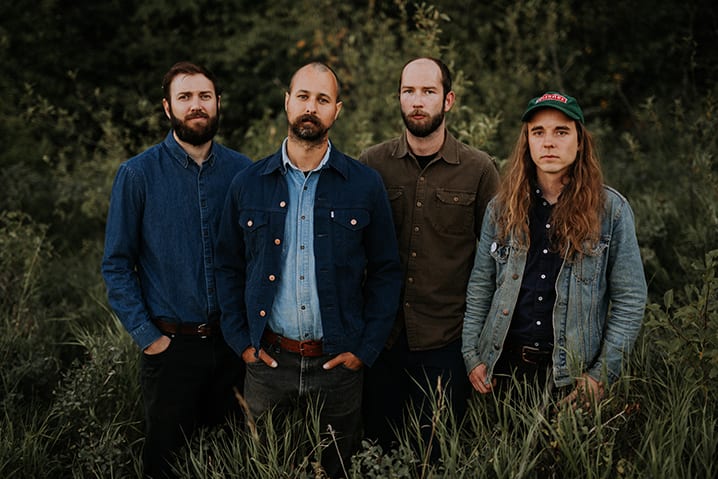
(357, 260)
(163, 219)
(600, 299)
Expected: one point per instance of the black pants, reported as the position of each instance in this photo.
(401, 377)
(189, 385)
(512, 366)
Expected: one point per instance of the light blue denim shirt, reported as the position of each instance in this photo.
(295, 312)
(600, 299)
(162, 222)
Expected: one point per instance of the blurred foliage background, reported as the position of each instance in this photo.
(81, 89)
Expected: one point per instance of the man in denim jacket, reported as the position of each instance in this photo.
(308, 269)
(158, 267)
(557, 289)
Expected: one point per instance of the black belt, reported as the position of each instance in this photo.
(307, 349)
(188, 329)
(529, 354)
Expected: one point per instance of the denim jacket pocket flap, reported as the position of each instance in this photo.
(250, 220)
(453, 197)
(351, 219)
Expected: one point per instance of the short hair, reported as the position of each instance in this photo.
(445, 73)
(322, 67)
(186, 68)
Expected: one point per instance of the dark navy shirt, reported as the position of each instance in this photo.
(532, 323)
(162, 222)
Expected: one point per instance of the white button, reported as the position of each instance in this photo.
(540, 298)
(538, 323)
(548, 225)
(494, 246)
(543, 276)
(536, 345)
(545, 251)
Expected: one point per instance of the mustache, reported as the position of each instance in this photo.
(197, 114)
(417, 112)
(310, 118)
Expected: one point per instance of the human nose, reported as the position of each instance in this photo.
(195, 103)
(311, 106)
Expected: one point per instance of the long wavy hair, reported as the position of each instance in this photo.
(576, 217)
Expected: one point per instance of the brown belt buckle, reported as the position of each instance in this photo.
(307, 348)
(530, 350)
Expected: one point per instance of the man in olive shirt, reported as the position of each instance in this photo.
(439, 188)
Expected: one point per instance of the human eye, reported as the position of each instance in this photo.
(206, 96)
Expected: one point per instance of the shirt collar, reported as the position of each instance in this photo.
(181, 156)
(449, 151)
(287, 163)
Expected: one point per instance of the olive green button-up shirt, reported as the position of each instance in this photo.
(438, 211)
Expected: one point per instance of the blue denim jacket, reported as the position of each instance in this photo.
(599, 304)
(356, 256)
(163, 218)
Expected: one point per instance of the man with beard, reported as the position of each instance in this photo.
(438, 189)
(158, 267)
(308, 270)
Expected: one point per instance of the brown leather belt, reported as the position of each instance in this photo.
(307, 349)
(529, 354)
(188, 329)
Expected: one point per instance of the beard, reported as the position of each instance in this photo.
(425, 127)
(198, 135)
(312, 132)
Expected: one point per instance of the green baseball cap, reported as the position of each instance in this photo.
(559, 101)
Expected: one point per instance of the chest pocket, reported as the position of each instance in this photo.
(588, 268)
(347, 233)
(255, 225)
(397, 200)
(453, 211)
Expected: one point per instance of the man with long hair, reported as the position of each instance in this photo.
(557, 292)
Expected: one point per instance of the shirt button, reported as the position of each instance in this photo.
(456, 199)
(277, 241)
(262, 313)
(272, 277)
(282, 204)
(418, 204)
(301, 247)
(540, 298)
(548, 225)
(543, 276)
(303, 217)
(545, 251)
(413, 254)
(250, 223)
(505, 312)
(416, 228)
(410, 280)
(536, 345)
(515, 276)
(301, 277)
(538, 323)
(353, 222)
(407, 305)
(303, 307)
(422, 179)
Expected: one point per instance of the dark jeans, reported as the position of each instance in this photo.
(297, 382)
(512, 371)
(401, 377)
(189, 385)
